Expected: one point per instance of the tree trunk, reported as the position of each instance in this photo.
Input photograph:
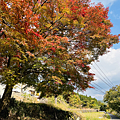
(55, 99)
(4, 112)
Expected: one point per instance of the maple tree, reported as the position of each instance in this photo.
(50, 43)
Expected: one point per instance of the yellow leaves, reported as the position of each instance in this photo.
(75, 22)
(16, 59)
(65, 20)
(41, 9)
(48, 25)
(37, 6)
(57, 79)
(95, 36)
(22, 28)
(70, 62)
(44, 7)
(82, 25)
(66, 10)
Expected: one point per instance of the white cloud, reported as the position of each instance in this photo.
(110, 66)
(98, 96)
(106, 3)
(1, 89)
(109, 63)
(116, 16)
(93, 93)
(111, 12)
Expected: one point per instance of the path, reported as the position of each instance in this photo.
(113, 117)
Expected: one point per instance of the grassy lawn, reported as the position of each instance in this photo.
(29, 109)
(83, 116)
(95, 116)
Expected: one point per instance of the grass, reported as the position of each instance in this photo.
(61, 108)
(38, 111)
(107, 116)
(76, 111)
(95, 116)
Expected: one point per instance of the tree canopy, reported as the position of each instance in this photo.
(50, 43)
(112, 97)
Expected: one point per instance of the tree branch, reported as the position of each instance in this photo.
(44, 2)
(8, 64)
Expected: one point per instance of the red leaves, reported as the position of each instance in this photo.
(79, 62)
(88, 67)
(74, 9)
(36, 25)
(91, 87)
(83, 11)
(91, 74)
(56, 69)
(83, 65)
(26, 24)
(18, 56)
(30, 54)
(57, 83)
(68, 73)
(29, 31)
(53, 49)
(35, 33)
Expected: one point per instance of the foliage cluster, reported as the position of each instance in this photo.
(112, 97)
(75, 101)
(103, 107)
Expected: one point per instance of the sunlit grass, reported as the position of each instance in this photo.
(107, 116)
(84, 116)
(62, 104)
(95, 116)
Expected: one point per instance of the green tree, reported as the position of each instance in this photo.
(50, 44)
(89, 102)
(112, 97)
(92, 104)
(85, 103)
(75, 101)
(103, 107)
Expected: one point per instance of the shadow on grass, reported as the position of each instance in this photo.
(38, 111)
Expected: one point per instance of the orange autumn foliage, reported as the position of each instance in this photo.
(40, 39)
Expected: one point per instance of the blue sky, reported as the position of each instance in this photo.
(110, 62)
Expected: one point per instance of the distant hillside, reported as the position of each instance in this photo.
(101, 101)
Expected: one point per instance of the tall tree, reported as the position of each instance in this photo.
(50, 43)
(112, 97)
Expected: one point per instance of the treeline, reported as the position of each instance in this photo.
(82, 101)
(89, 102)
